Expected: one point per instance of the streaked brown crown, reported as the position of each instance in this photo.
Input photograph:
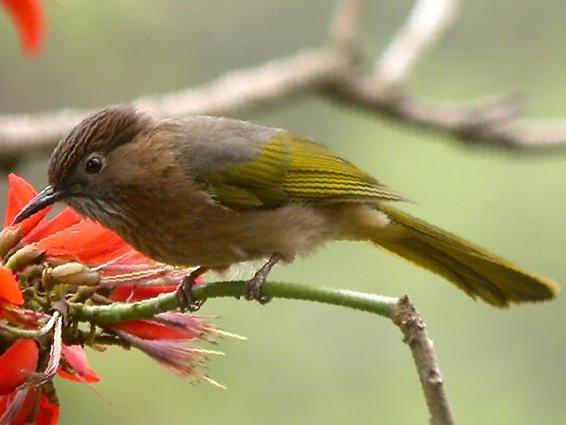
(102, 131)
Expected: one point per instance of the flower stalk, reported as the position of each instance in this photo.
(120, 312)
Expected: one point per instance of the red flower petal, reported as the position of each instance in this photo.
(28, 19)
(87, 242)
(138, 293)
(47, 414)
(16, 363)
(148, 329)
(61, 221)
(9, 289)
(20, 193)
(132, 293)
(174, 355)
(22, 316)
(79, 371)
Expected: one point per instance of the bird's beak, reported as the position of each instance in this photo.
(46, 197)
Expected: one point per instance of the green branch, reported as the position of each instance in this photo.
(399, 310)
(119, 312)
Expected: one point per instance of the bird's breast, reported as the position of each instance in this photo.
(216, 236)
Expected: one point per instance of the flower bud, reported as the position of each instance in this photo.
(29, 254)
(75, 274)
(9, 238)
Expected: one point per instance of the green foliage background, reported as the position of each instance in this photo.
(305, 363)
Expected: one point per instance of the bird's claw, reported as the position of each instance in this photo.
(252, 289)
(184, 292)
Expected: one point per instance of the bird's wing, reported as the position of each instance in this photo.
(278, 169)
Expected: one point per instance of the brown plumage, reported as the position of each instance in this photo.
(103, 132)
(207, 191)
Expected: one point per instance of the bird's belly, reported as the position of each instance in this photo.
(241, 236)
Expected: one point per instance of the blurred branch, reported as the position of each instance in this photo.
(425, 25)
(399, 310)
(233, 93)
(331, 72)
(344, 30)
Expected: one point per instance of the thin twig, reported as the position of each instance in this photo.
(344, 30)
(413, 328)
(426, 23)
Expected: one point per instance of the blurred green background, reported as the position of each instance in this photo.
(313, 364)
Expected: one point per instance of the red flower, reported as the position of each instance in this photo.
(20, 193)
(87, 242)
(30, 404)
(166, 326)
(75, 366)
(28, 18)
(9, 290)
(41, 253)
(61, 221)
(16, 363)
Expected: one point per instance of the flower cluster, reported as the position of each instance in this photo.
(48, 264)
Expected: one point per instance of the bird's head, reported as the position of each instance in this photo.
(86, 166)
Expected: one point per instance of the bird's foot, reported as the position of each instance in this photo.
(184, 291)
(252, 289)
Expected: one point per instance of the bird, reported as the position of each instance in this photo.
(211, 192)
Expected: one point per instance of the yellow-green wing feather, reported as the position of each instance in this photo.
(291, 169)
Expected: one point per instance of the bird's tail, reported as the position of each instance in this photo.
(476, 271)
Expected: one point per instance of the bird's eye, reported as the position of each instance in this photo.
(94, 165)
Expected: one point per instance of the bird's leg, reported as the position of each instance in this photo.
(252, 290)
(184, 291)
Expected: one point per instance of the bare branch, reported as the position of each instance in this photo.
(344, 31)
(330, 72)
(477, 121)
(426, 23)
(254, 88)
(413, 328)
(236, 92)
(525, 134)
